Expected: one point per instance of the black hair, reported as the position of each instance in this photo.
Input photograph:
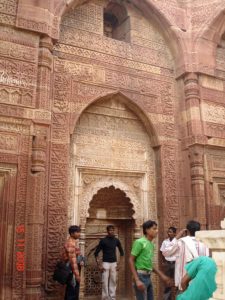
(193, 226)
(74, 228)
(173, 229)
(148, 224)
(110, 227)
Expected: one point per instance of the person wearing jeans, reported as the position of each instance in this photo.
(141, 263)
(148, 293)
(70, 253)
(109, 266)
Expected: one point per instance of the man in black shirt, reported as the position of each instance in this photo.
(109, 264)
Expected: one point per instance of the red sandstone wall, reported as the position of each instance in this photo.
(39, 109)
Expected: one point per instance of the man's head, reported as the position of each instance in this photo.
(110, 230)
(192, 227)
(74, 231)
(171, 232)
(150, 229)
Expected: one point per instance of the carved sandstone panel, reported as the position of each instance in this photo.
(211, 82)
(8, 7)
(123, 135)
(169, 167)
(18, 67)
(9, 142)
(111, 141)
(87, 17)
(114, 60)
(57, 206)
(213, 113)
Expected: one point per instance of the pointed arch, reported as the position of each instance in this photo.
(134, 107)
(151, 11)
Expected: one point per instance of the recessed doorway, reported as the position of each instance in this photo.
(109, 206)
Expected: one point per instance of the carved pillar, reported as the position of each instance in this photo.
(36, 184)
(192, 104)
(35, 219)
(195, 143)
(196, 155)
(44, 73)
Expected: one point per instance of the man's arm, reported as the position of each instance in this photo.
(173, 246)
(185, 281)
(120, 248)
(140, 285)
(121, 254)
(96, 253)
(164, 278)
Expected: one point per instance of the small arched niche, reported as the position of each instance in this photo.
(116, 22)
(110, 203)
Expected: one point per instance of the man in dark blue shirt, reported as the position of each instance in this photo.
(108, 268)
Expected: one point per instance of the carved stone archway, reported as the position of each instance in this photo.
(110, 205)
(112, 145)
(134, 174)
(118, 184)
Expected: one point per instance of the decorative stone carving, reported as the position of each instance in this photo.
(192, 97)
(196, 153)
(38, 154)
(44, 71)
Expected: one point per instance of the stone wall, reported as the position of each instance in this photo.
(99, 93)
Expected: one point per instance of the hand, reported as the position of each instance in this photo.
(82, 263)
(140, 285)
(184, 286)
(182, 233)
(77, 277)
(184, 283)
(118, 268)
(168, 281)
(101, 269)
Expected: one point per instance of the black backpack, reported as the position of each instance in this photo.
(63, 272)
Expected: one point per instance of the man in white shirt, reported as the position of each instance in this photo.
(185, 248)
(169, 293)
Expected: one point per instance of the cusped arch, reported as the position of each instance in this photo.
(151, 12)
(93, 189)
(132, 105)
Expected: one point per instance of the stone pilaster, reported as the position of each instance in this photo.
(192, 104)
(195, 141)
(196, 155)
(36, 184)
(35, 219)
(44, 74)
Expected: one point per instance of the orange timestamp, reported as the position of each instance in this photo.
(20, 248)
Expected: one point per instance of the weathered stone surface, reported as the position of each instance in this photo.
(105, 123)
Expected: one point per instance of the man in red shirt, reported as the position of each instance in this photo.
(70, 252)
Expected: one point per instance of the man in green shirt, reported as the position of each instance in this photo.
(141, 262)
